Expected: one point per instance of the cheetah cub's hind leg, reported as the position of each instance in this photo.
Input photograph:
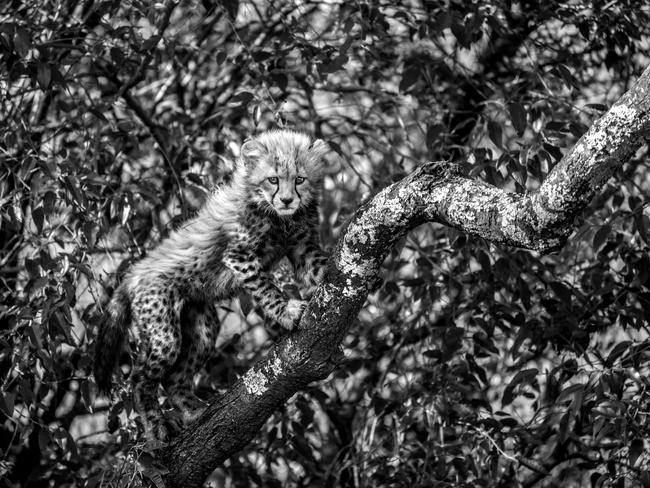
(200, 327)
(156, 316)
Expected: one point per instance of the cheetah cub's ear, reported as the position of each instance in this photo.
(252, 151)
(315, 157)
(319, 148)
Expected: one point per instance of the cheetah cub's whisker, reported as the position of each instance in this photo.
(268, 211)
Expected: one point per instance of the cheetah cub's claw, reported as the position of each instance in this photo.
(292, 313)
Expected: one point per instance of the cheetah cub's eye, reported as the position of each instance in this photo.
(299, 180)
(273, 179)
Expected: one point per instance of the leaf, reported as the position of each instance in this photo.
(518, 117)
(566, 75)
(7, 403)
(150, 43)
(495, 133)
(524, 377)
(555, 125)
(117, 56)
(306, 413)
(443, 20)
(601, 235)
(77, 196)
(562, 291)
(478, 370)
(26, 391)
(98, 114)
(245, 304)
(597, 106)
(636, 449)
(410, 77)
(38, 216)
(242, 98)
(43, 75)
(509, 422)
(259, 56)
(22, 42)
(303, 446)
(44, 439)
(460, 465)
(598, 479)
(334, 65)
(642, 222)
(616, 352)
(433, 135)
(460, 33)
(502, 269)
(124, 125)
(280, 80)
(524, 292)
(577, 129)
(346, 44)
(49, 199)
(432, 353)
(482, 340)
(125, 212)
(570, 390)
(85, 394)
(567, 423)
(221, 57)
(553, 151)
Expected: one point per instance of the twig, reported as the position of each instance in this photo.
(138, 76)
(487, 436)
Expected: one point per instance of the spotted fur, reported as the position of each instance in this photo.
(270, 210)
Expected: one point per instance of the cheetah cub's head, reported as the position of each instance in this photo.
(284, 169)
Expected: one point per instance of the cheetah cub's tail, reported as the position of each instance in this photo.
(110, 338)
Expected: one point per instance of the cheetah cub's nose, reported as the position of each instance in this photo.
(287, 200)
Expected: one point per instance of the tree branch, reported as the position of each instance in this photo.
(435, 192)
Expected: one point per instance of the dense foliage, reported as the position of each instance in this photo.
(471, 365)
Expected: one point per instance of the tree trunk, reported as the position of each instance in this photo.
(435, 192)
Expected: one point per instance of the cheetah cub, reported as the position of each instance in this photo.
(167, 300)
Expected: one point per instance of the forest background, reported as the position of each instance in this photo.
(470, 365)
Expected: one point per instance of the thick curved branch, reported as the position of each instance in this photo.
(435, 192)
(542, 221)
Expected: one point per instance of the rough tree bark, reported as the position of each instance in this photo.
(435, 192)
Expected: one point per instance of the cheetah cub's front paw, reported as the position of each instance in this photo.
(292, 312)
